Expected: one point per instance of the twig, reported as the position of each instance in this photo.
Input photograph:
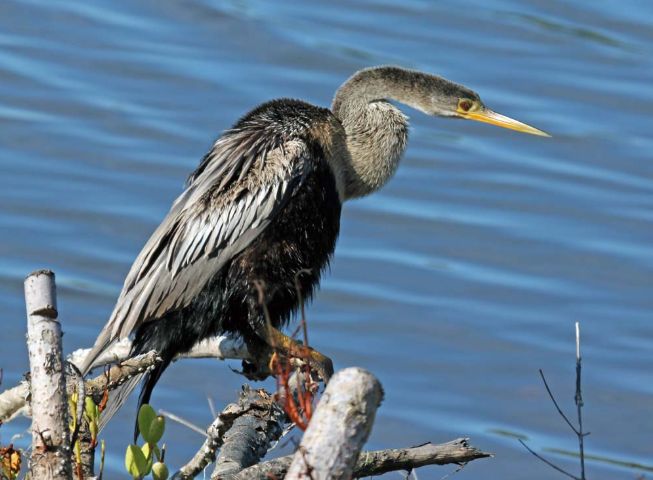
(549, 463)
(12, 400)
(548, 390)
(183, 421)
(578, 398)
(206, 454)
(380, 461)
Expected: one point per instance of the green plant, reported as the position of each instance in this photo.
(139, 461)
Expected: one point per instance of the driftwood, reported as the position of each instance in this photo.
(339, 427)
(240, 435)
(380, 461)
(270, 420)
(242, 432)
(50, 435)
(252, 432)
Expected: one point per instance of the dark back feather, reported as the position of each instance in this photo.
(240, 185)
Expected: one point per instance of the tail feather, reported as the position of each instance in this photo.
(150, 380)
(117, 397)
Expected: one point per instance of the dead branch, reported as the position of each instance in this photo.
(340, 426)
(380, 461)
(120, 373)
(251, 433)
(243, 432)
(578, 400)
(222, 347)
(50, 435)
(13, 402)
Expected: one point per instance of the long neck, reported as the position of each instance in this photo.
(376, 131)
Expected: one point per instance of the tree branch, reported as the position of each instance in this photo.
(222, 347)
(50, 435)
(251, 433)
(243, 432)
(380, 461)
(339, 427)
(12, 401)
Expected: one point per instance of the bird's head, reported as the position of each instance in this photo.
(449, 99)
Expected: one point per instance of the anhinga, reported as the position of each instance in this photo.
(264, 206)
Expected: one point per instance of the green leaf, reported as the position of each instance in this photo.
(135, 462)
(90, 409)
(160, 471)
(149, 458)
(145, 417)
(92, 427)
(157, 427)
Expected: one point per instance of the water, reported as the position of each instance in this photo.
(453, 285)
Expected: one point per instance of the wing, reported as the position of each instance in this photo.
(238, 189)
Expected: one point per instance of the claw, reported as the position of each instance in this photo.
(322, 365)
(282, 346)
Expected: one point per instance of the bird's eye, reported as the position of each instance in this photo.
(465, 105)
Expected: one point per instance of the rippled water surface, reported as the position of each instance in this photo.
(454, 284)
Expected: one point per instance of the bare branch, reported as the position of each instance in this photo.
(13, 402)
(579, 406)
(244, 430)
(380, 461)
(182, 421)
(339, 427)
(222, 347)
(50, 435)
(251, 433)
(553, 399)
(549, 463)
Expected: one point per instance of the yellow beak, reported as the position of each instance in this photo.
(488, 116)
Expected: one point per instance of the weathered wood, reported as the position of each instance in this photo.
(250, 434)
(221, 347)
(13, 402)
(340, 426)
(50, 435)
(243, 431)
(380, 461)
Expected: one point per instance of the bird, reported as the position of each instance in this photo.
(263, 207)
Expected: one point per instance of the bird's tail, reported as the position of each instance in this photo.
(150, 380)
(119, 395)
(117, 398)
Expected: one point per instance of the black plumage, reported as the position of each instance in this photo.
(298, 244)
(264, 206)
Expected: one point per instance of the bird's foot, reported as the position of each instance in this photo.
(256, 370)
(319, 364)
(280, 351)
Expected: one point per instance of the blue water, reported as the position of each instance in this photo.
(454, 284)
